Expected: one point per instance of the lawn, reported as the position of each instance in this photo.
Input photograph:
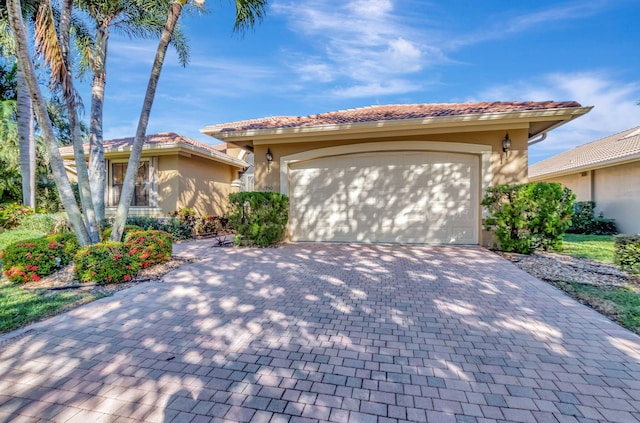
(594, 247)
(19, 307)
(620, 304)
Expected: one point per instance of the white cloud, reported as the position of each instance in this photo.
(363, 43)
(615, 106)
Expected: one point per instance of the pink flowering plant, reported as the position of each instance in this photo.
(30, 260)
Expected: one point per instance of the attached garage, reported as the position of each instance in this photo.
(399, 197)
(404, 173)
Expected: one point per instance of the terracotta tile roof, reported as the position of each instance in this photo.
(386, 113)
(618, 147)
(157, 139)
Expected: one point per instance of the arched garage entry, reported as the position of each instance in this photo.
(419, 192)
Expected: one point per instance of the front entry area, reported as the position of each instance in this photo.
(425, 197)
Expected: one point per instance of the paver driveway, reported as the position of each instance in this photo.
(327, 333)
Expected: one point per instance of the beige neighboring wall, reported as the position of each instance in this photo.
(512, 169)
(204, 185)
(615, 190)
(579, 183)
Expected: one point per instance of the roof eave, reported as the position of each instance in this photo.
(563, 115)
(177, 148)
(585, 168)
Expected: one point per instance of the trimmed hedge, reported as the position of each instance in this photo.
(626, 253)
(585, 222)
(258, 218)
(30, 260)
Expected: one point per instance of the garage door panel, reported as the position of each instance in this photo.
(405, 197)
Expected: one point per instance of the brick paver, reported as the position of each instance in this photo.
(307, 333)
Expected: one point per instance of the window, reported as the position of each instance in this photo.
(141, 189)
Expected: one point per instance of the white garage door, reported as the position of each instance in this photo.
(404, 197)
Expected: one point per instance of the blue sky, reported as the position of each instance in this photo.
(313, 56)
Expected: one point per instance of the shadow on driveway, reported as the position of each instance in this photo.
(318, 332)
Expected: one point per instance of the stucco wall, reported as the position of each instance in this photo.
(617, 193)
(579, 183)
(204, 185)
(615, 189)
(168, 183)
(512, 169)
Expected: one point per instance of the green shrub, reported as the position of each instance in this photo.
(106, 234)
(584, 221)
(145, 222)
(104, 262)
(603, 226)
(187, 218)
(32, 259)
(47, 197)
(148, 247)
(176, 228)
(626, 252)
(258, 218)
(529, 216)
(47, 223)
(12, 214)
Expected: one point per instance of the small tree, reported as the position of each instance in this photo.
(529, 216)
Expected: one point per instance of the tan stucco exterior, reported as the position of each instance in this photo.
(204, 187)
(615, 189)
(511, 168)
(179, 179)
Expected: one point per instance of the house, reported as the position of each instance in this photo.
(175, 172)
(412, 173)
(606, 171)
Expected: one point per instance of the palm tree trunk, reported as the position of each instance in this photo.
(138, 143)
(74, 125)
(27, 142)
(57, 165)
(97, 171)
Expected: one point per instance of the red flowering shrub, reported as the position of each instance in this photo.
(105, 262)
(32, 259)
(149, 247)
(117, 262)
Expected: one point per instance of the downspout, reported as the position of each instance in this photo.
(540, 138)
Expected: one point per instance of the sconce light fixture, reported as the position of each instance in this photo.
(269, 156)
(506, 144)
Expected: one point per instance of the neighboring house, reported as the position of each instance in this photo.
(606, 171)
(411, 173)
(174, 172)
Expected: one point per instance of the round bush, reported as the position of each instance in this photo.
(105, 262)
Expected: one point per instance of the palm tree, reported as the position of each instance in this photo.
(133, 18)
(18, 29)
(247, 12)
(24, 113)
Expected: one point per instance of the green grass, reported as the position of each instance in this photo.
(595, 247)
(19, 307)
(621, 304)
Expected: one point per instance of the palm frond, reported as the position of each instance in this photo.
(248, 12)
(48, 46)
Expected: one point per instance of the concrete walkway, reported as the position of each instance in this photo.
(339, 333)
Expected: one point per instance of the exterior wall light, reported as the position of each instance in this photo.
(506, 144)
(269, 156)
